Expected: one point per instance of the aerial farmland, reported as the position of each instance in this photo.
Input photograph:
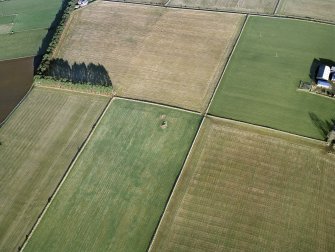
(170, 56)
(241, 191)
(270, 59)
(308, 8)
(37, 145)
(167, 125)
(255, 6)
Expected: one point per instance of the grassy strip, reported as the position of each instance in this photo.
(80, 87)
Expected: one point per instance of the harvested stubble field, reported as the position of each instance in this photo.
(160, 2)
(260, 83)
(246, 188)
(114, 195)
(164, 55)
(38, 143)
(320, 9)
(254, 6)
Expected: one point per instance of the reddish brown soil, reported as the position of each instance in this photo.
(16, 77)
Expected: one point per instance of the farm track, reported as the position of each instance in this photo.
(274, 15)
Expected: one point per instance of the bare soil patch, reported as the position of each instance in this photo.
(169, 56)
(16, 77)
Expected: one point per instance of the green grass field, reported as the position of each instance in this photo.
(38, 143)
(259, 85)
(29, 21)
(11, 45)
(114, 195)
(251, 189)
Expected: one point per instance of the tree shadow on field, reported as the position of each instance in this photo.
(315, 66)
(51, 32)
(324, 127)
(79, 72)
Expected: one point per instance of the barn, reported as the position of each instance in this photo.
(323, 73)
(324, 84)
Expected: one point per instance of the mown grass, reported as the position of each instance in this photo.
(80, 87)
(30, 14)
(251, 189)
(114, 195)
(259, 85)
(31, 19)
(21, 44)
(38, 143)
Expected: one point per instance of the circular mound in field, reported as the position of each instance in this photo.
(163, 124)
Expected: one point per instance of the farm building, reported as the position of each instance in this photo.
(81, 3)
(333, 78)
(324, 84)
(323, 73)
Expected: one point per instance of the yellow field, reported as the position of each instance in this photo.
(163, 55)
(255, 6)
(320, 9)
(251, 189)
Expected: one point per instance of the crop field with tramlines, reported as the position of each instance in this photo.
(170, 56)
(167, 125)
(155, 2)
(320, 9)
(116, 192)
(246, 188)
(38, 143)
(261, 81)
(259, 6)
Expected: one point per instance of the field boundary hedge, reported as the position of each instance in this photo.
(54, 34)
